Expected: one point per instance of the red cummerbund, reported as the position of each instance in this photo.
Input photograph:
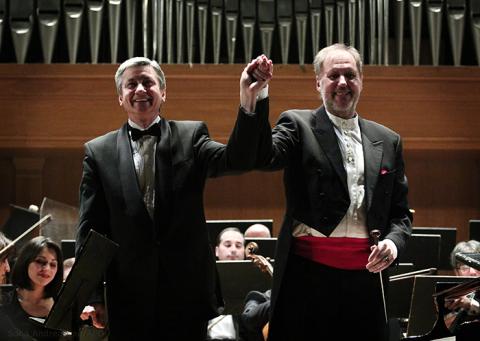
(342, 252)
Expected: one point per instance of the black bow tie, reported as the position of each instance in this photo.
(154, 130)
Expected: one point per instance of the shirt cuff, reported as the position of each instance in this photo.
(262, 94)
(393, 247)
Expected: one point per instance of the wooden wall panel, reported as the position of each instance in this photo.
(49, 111)
(62, 173)
(7, 187)
(444, 188)
(255, 195)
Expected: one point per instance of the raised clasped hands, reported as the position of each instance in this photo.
(255, 76)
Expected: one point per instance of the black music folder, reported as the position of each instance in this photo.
(19, 221)
(68, 248)
(400, 290)
(237, 279)
(470, 259)
(266, 246)
(423, 312)
(95, 255)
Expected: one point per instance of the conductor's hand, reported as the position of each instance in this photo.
(381, 256)
(97, 312)
(254, 78)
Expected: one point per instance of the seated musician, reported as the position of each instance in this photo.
(466, 307)
(255, 315)
(37, 278)
(8, 331)
(257, 231)
(230, 246)
(4, 264)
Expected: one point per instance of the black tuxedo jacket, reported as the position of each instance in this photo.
(304, 144)
(165, 265)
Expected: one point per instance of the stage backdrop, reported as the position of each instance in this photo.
(49, 111)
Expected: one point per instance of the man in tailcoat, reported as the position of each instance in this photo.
(344, 177)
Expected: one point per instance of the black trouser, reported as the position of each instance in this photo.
(329, 303)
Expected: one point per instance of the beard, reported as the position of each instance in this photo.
(344, 110)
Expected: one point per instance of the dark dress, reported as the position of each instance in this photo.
(24, 327)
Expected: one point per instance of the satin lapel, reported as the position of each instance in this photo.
(128, 177)
(163, 175)
(328, 142)
(373, 153)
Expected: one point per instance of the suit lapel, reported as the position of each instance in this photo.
(373, 153)
(163, 175)
(131, 190)
(327, 139)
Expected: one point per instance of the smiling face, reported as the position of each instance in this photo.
(43, 268)
(340, 83)
(140, 94)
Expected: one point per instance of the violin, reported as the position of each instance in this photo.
(261, 262)
(264, 265)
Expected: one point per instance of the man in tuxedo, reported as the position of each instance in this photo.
(344, 177)
(142, 187)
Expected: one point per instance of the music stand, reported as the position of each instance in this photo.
(423, 314)
(68, 248)
(400, 268)
(474, 229)
(266, 246)
(64, 220)
(448, 242)
(28, 234)
(19, 220)
(237, 278)
(400, 292)
(92, 260)
(423, 250)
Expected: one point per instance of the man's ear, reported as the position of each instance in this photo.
(216, 251)
(317, 84)
(120, 100)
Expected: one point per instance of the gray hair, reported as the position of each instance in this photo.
(4, 241)
(468, 246)
(323, 54)
(139, 61)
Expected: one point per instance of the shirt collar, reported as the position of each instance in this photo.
(344, 124)
(136, 126)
